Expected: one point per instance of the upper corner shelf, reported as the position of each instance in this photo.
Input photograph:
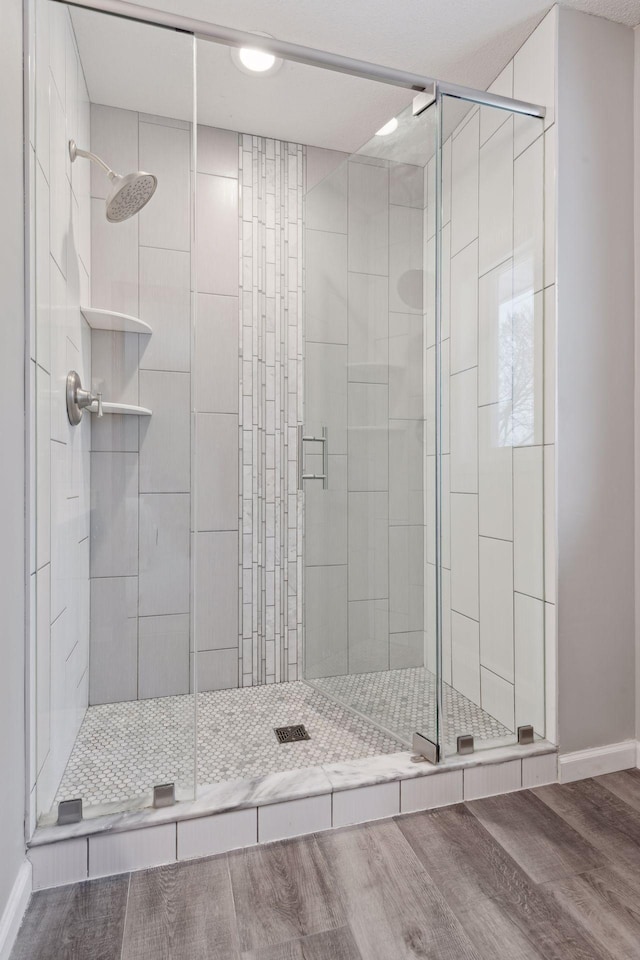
(110, 320)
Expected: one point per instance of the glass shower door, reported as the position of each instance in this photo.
(491, 410)
(114, 684)
(368, 423)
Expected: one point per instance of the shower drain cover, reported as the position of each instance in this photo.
(291, 734)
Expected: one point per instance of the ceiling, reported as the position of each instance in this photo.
(143, 68)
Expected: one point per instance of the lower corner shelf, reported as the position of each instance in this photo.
(122, 408)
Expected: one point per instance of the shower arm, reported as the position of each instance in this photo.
(75, 151)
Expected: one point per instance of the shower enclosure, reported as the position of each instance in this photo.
(321, 499)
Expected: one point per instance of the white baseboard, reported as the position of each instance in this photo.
(599, 760)
(14, 911)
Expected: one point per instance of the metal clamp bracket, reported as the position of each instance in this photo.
(323, 439)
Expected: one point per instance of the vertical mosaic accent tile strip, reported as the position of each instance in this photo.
(271, 178)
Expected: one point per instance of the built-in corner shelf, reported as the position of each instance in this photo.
(122, 408)
(110, 320)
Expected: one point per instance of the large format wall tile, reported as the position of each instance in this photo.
(114, 514)
(464, 554)
(368, 415)
(326, 512)
(465, 656)
(163, 656)
(368, 218)
(217, 235)
(165, 437)
(326, 287)
(216, 471)
(114, 262)
(326, 392)
(216, 596)
(495, 230)
(464, 431)
(464, 178)
(495, 472)
(464, 309)
(165, 304)
(368, 352)
(217, 151)
(406, 390)
(368, 515)
(368, 635)
(530, 662)
(326, 203)
(114, 640)
(406, 579)
(216, 357)
(406, 472)
(496, 606)
(326, 623)
(164, 554)
(166, 221)
(406, 259)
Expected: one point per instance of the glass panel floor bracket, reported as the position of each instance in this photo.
(425, 749)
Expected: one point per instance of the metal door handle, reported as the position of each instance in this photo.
(302, 476)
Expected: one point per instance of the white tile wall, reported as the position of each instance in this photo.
(165, 304)
(497, 697)
(277, 821)
(491, 779)
(163, 656)
(168, 395)
(464, 554)
(368, 206)
(464, 178)
(537, 771)
(166, 151)
(529, 661)
(495, 472)
(58, 863)
(217, 590)
(496, 195)
(528, 554)
(59, 342)
(501, 387)
(164, 554)
(424, 793)
(496, 606)
(464, 309)
(217, 235)
(366, 803)
(123, 852)
(465, 656)
(207, 836)
(114, 639)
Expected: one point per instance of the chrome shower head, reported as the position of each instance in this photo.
(129, 194)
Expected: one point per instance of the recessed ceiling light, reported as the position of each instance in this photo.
(252, 60)
(256, 60)
(388, 128)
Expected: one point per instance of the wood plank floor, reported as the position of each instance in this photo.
(545, 874)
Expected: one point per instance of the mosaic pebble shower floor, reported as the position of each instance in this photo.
(124, 749)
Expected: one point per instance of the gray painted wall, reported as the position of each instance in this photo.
(595, 411)
(12, 428)
(636, 134)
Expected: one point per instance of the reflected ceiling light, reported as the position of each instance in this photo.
(388, 128)
(256, 60)
(251, 60)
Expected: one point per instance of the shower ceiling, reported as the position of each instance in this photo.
(462, 41)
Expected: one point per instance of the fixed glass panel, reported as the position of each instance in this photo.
(113, 262)
(369, 334)
(491, 466)
(292, 329)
